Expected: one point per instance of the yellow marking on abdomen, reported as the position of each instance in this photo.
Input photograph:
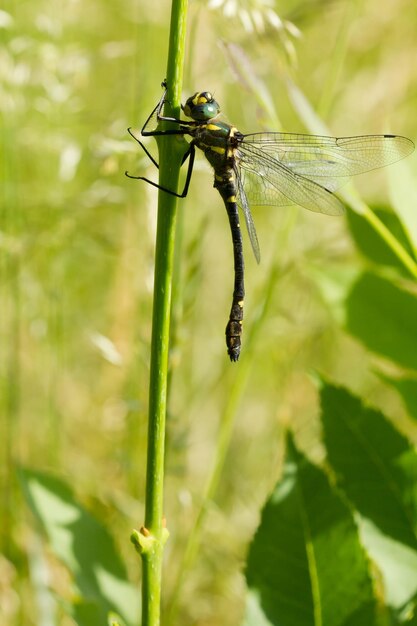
(231, 199)
(240, 303)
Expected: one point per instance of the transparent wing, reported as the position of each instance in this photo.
(325, 161)
(243, 204)
(268, 182)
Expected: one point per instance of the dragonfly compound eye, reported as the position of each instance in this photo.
(201, 106)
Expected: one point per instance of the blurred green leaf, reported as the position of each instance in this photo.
(376, 467)
(254, 615)
(383, 317)
(85, 546)
(412, 621)
(407, 388)
(306, 564)
(87, 613)
(334, 283)
(370, 243)
(403, 194)
(408, 614)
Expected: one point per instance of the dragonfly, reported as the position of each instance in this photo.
(266, 168)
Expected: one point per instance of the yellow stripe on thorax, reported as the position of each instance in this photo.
(217, 149)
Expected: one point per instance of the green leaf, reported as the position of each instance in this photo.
(403, 194)
(383, 316)
(408, 615)
(371, 244)
(412, 621)
(306, 565)
(84, 545)
(88, 613)
(376, 467)
(407, 388)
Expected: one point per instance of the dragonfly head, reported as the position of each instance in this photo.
(201, 106)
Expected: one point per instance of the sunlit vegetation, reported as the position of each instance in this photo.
(330, 331)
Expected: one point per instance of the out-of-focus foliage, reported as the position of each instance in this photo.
(312, 560)
(77, 248)
(85, 547)
(302, 547)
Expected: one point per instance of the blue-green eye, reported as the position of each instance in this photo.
(201, 106)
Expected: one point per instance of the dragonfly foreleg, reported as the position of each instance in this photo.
(163, 118)
(158, 110)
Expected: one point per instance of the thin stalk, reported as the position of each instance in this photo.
(151, 538)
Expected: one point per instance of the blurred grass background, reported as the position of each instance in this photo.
(77, 250)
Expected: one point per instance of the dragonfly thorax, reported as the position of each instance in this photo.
(201, 106)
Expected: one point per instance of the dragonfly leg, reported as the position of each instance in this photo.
(189, 154)
(234, 325)
(156, 109)
(163, 118)
(148, 154)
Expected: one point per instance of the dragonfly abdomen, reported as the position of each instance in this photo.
(225, 183)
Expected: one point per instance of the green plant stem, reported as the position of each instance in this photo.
(170, 154)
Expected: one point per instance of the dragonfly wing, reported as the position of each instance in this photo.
(267, 181)
(244, 205)
(330, 161)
